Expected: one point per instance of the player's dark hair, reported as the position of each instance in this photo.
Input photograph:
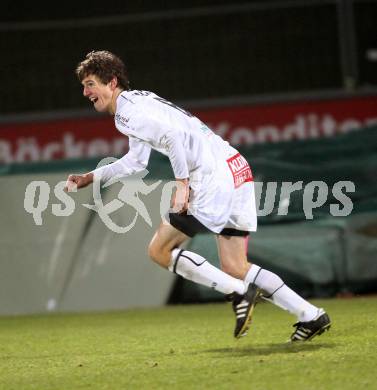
(105, 65)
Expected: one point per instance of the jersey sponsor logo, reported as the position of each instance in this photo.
(122, 120)
(240, 170)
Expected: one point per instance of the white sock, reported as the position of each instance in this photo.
(196, 268)
(277, 292)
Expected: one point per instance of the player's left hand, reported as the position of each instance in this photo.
(180, 199)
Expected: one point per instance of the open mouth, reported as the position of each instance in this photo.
(93, 99)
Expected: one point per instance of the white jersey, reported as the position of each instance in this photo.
(152, 122)
(194, 151)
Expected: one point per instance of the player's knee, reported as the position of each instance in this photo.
(158, 254)
(153, 252)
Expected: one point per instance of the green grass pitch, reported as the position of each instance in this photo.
(189, 347)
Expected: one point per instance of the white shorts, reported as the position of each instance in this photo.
(224, 198)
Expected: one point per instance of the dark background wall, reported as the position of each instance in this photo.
(196, 50)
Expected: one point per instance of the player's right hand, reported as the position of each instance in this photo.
(75, 182)
(180, 201)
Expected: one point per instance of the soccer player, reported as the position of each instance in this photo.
(214, 193)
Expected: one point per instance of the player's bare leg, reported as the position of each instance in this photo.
(311, 319)
(233, 261)
(164, 241)
(232, 255)
(164, 250)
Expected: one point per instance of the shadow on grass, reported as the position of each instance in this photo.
(268, 349)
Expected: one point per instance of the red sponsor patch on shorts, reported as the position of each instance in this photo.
(240, 170)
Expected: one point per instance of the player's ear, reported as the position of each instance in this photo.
(114, 83)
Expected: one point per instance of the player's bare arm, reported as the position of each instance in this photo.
(78, 181)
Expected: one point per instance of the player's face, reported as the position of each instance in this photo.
(98, 93)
